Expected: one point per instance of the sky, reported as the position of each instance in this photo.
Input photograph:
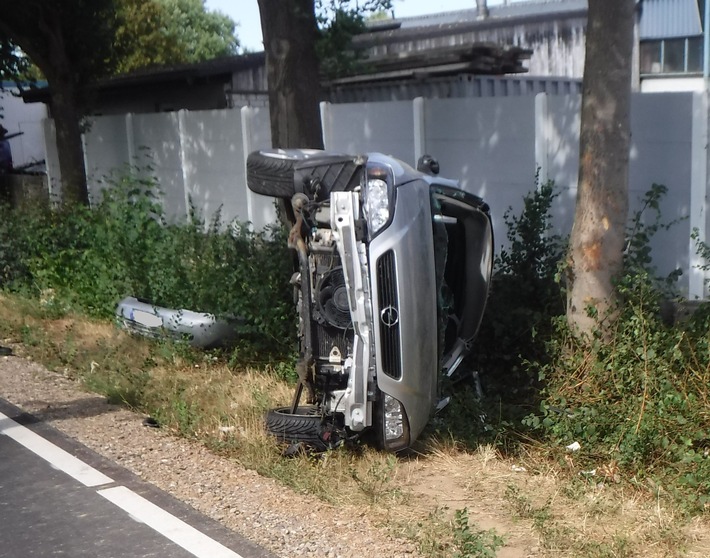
(246, 14)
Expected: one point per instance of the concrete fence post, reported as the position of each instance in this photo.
(419, 108)
(698, 193)
(130, 142)
(542, 137)
(51, 160)
(326, 120)
(246, 115)
(87, 167)
(184, 163)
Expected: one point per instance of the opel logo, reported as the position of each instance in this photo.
(390, 316)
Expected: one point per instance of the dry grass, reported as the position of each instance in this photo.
(540, 507)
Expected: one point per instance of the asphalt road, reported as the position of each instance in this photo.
(58, 498)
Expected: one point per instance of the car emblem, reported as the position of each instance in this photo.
(390, 316)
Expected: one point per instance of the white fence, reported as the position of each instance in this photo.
(16, 116)
(494, 146)
(197, 157)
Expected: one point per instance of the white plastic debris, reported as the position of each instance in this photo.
(519, 469)
(589, 473)
(574, 446)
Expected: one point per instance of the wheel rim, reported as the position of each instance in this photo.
(301, 411)
(291, 154)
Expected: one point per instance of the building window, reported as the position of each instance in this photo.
(694, 60)
(651, 57)
(672, 56)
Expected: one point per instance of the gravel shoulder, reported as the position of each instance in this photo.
(258, 508)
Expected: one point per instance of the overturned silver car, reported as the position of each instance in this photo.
(394, 266)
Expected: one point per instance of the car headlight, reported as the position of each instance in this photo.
(377, 198)
(395, 424)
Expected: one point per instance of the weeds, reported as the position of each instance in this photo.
(470, 542)
(636, 403)
(375, 483)
(559, 536)
(520, 315)
(443, 535)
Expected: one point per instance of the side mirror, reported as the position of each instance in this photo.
(428, 165)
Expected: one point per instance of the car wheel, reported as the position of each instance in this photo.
(305, 426)
(270, 172)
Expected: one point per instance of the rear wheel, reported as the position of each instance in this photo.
(281, 173)
(270, 172)
(305, 426)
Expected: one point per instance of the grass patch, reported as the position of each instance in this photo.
(193, 394)
(436, 498)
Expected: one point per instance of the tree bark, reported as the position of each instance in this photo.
(595, 257)
(67, 112)
(39, 32)
(290, 32)
(70, 152)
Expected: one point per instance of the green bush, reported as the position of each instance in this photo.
(88, 259)
(524, 294)
(637, 403)
(639, 400)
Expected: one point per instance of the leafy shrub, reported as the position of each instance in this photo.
(470, 542)
(637, 402)
(524, 294)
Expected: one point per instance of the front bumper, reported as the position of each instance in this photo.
(404, 307)
(199, 329)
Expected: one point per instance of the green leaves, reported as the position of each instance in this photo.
(470, 542)
(167, 32)
(339, 22)
(524, 300)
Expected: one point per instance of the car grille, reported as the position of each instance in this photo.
(388, 305)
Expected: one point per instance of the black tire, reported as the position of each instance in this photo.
(305, 426)
(281, 173)
(270, 172)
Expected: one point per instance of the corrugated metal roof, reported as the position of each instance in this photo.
(660, 19)
(519, 9)
(665, 19)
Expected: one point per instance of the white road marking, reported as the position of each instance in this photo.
(166, 524)
(179, 532)
(55, 456)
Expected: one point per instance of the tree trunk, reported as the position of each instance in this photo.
(290, 32)
(66, 114)
(595, 257)
(38, 31)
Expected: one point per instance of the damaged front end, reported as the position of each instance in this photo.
(393, 273)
